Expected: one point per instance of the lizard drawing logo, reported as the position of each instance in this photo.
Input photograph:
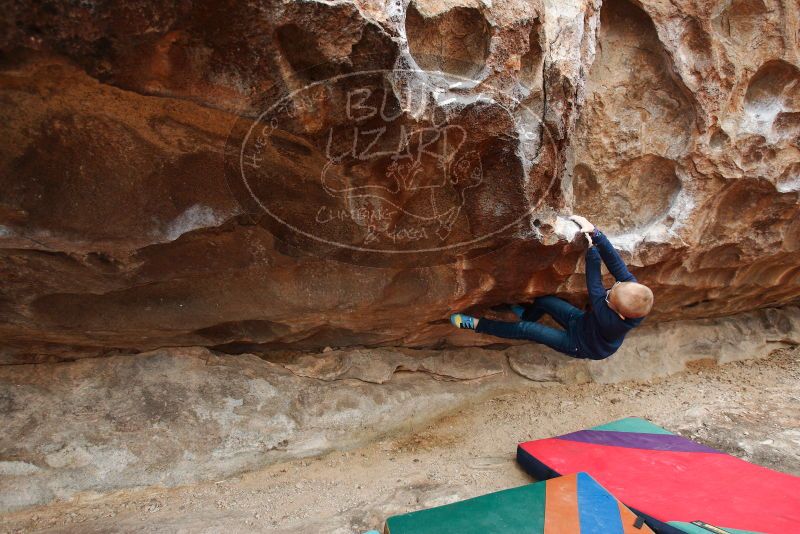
(430, 163)
(390, 166)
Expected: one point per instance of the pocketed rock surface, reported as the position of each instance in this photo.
(748, 409)
(124, 225)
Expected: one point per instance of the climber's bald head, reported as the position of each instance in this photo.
(631, 299)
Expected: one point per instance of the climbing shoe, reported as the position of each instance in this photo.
(460, 320)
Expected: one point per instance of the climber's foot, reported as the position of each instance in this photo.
(460, 320)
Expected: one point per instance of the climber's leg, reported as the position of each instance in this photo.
(560, 310)
(560, 340)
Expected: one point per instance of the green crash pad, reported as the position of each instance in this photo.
(565, 505)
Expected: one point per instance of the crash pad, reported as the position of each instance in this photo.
(674, 482)
(574, 504)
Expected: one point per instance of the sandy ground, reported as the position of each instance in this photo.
(750, 409)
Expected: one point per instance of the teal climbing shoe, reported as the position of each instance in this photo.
(460, 320)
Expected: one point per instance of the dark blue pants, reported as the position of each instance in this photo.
(564, 313)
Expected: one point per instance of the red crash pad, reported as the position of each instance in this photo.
(671, 478)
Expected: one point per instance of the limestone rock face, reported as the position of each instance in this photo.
(306, 174)
(181, 415)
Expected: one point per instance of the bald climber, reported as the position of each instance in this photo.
(595, 334)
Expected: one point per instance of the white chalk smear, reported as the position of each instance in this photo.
(193, 218)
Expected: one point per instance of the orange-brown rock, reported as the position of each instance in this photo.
(310, 174)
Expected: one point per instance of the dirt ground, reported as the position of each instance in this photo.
(750, 409)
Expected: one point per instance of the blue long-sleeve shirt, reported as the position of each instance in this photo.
(602, 330)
